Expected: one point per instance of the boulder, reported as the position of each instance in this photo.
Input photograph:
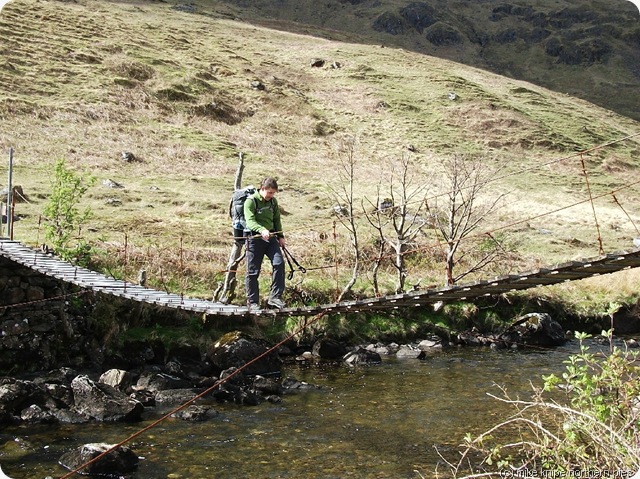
(68, 416)
(267, 385)
(103, 402)
(168, 397)
(60, 394)
(626, 320)
(429, 345)
(236, 349)
(196, 413)
(290, 385)
(160, 382)
(118, 378)
(535, 329)
(407, 351)
(329, 349)
(236, 388)
(469, 338)
(57, 376)
(118, 462)
(362, 357)
(17, 395)
(381, 349)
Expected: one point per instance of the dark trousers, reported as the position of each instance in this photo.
(257, 249)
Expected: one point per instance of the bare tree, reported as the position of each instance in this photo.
(343, 193)
(465, 179)
(376, 214)
(402, 210)
(408, 200)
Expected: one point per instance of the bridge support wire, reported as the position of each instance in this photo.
(615, 199)
(292, 335)
(593, 208)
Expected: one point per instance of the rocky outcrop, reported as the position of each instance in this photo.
(390, 23)
(64, 395)
(626, 320)
(442, 34)
(419, 15)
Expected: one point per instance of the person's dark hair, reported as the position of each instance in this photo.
(270, 183)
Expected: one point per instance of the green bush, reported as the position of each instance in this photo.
(585, 421)
(63, 217)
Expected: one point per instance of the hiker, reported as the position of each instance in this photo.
(264, 238)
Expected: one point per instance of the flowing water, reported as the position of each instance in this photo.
(380, 421)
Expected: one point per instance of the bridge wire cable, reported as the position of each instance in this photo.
(492, 179)
(45, 300)
(436, 245)
(515, 173)
(439, 245)
(534, 217)
(522, 170)
(615, 199)
(433, 197)
(218, 383)
(593, 208)
(530, 218)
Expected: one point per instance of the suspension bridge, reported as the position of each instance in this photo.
(51, 266)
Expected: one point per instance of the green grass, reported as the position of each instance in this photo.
(86, 81)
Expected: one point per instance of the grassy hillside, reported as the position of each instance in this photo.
(583, 48)
(188, 92)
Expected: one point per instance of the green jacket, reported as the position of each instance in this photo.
(260, 214)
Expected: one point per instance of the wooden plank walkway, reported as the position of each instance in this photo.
(84, 278)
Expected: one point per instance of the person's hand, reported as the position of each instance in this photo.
(282, 242)
(265, 234)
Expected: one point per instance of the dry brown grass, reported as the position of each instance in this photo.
(88, 81)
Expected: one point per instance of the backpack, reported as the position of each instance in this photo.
(236, 206)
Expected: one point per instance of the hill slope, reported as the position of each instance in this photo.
(584, 48)
(187, 92)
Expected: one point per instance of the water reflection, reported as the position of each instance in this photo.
(374, 422)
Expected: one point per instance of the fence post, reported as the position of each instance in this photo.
(9, 208)
(10, 199)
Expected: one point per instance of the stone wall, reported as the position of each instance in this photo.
(46, 323)
(41, 320)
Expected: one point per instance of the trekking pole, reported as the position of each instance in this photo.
(290, 258)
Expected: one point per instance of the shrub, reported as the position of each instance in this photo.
(63, 218)
(585, 421)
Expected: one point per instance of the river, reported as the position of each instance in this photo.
(383, 421)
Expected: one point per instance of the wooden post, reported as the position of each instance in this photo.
(226, 291)
(10, 198)
(237, 184)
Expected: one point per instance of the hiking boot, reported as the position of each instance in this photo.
(254, 306)
(276, 303)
